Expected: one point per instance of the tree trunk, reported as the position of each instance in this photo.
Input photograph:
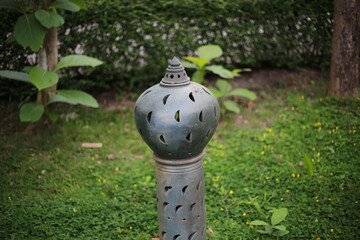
(48, 58)
(345, 58)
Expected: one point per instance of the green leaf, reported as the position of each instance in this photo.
(77, 61)
(280, 227)
(231, 106)
(81, 4)
(53, 117)
(42, 79)
(223, 86)
(216, 92)
(280, 233)
(60, 98)
(49, 19)
(210, 51)
(241, 92)
(10, 4)
(308, 165)
(19, 76)
(278, 216)
(29, 32)
(198, 76)
(258, 223)
(31, 112)
(200, 62)
(79, 97)
(66, 5)
(220, 70)
(186, 64)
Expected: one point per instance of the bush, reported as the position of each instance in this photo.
(135, 39)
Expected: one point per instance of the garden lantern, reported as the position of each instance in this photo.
(177, 118)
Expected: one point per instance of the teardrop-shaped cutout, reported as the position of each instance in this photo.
(148, 117)
(177, 116)
(191, 96)
(208, 133)
(184, 189)
(206, 91)
(192, 206)
(165, 204)
(177, 208)
(201, 116)
(165, 98)
(191, 236)
(167, 188)
(198, 185)
(188, 137)
(162, 139)
(163, 233)
(176, 237)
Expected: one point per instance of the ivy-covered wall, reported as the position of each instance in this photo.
(135, 39)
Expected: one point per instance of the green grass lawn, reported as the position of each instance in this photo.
(53, 188)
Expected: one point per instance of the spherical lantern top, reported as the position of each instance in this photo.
(177, 117)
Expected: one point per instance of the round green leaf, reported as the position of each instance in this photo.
(210, 51)
(79, 97)
(186, 64)
(198, 76)
(42, 79)
(200, 62)
(223, 86)
(31, 112)
(278, 216)
(241, 92)
(231, 106)
(77, 61)
(66, 5)
(29, 32)
(258, 223)
(220, 70)
(49, 19)
(216, 92)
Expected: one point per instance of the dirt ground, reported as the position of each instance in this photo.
(258, 80)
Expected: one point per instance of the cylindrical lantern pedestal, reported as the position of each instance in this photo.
(180, 191)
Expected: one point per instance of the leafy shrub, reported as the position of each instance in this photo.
(135, 39)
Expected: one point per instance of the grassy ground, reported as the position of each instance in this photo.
(53, 188)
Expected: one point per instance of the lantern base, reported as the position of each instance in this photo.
(180, 194)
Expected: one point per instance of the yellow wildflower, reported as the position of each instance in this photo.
(93, 158)
(318, 160)
(267, 178)
(205, 162)
(317, 200)
(115, 198)
(264, 181)
(329, 199)
(314, 149)
(247, 222)
(356, 202)
(104, 180)
(282, 199)
(135, 185)
(331, 174)
(277, 179)
(231, 192)
(292, 108)
(319, 129)
(270, 130)
(70, 199)
(312, 160)
(331, 230)
(9, 198)
(298, 175)
(99, 180)
(222, 155)
(302, 97)
(252, 226)
(330, 132)
(244, 213)
(332, 141)
(221, 209)
(262, 152)
(130, 228)
(293, 175)
(116, 169)
(318, 154)
(287, 190)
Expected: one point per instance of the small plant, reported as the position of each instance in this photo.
(278, 215)
(40, 19)
(206, 54)
(224, 91)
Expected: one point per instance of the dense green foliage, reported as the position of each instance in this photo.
(52, 188)
(136, 38)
